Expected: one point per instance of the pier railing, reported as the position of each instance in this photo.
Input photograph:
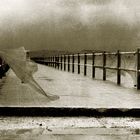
(69, 61)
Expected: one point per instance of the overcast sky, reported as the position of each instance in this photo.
(70, 24)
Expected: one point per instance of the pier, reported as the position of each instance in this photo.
(79, 95)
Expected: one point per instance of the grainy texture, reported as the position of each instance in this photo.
(69, 128)
(74, 91)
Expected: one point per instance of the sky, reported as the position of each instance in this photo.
(70, 25)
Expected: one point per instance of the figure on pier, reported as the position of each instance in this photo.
(24, 68)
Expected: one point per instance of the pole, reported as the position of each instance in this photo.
(73, 63)
(68, 63)
(78, 63)
(64, 62)
(85, 64)
(93, 68)
(138, 68)
(104, 64)
(61, 63)
(118, 67)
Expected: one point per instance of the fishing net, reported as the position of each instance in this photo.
(24, 68)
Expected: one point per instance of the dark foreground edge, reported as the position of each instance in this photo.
(68, 112)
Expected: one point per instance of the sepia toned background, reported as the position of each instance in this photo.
(70, 25)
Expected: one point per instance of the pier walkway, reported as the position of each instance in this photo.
(75, 91)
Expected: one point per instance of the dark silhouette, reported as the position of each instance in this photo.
(3, 68)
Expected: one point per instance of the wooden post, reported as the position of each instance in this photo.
(50, 61)
(61, 63)
(85, 64)
(43, 60)
(78, 63)
(138, 68)
(118, 68)
(55, 61)
(104, 64)
(93, 68)
(68, 63)
(47, 61)
(73, 63)
(58, 61)
(64, 62)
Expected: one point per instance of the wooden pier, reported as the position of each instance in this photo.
(79, 95)
(69, 60)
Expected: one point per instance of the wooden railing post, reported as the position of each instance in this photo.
(55, 61)
(43, 59)
(68, 62)
(73, 63)
(118, 67)
(61, 63)
(138, 68)
(78, 63)
(85, 64)
(58, 61)
(93, 68)
(64, 62)
(50, 61)
(47, 61)
(104, 64)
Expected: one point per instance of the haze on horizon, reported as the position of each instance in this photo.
(70, 24)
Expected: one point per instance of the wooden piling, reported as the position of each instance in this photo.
(73, 63)
(85, 64)
(93, 68)
(68, 63)
(138, 68)
(58, 61)
(55, 61)
(61, 63)
(64, 62)
(104, 64)
(118, 67)
(50, 61)
(78, 63)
